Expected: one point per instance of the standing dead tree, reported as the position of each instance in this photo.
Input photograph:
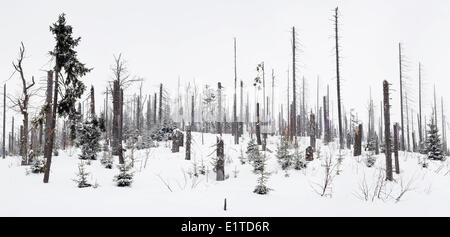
(387, 132)
(188, 142)
(397, 164)
(358, 139)
(220, 165)
(338, 80)
(22, 103)
(312, 131)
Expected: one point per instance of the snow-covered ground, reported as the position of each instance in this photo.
(428, 189)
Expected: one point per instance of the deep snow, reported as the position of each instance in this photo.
(295, 195)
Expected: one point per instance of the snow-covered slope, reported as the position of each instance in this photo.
(166, 186)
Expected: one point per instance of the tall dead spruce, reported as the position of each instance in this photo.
(22, 103)
(387, 132)
(188, 142)
(336, 36)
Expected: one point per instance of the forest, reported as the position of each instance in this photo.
(276, 144)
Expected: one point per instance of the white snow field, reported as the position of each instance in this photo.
(426, 191)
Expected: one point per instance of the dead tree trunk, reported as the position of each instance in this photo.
(294, 101)
(397, 165)
(358, 140)
(312, 131)
(387, 132)
(188, 142)
(48, 126)
(92, 102)
(220, 165)
(341, 135)
(258, 128)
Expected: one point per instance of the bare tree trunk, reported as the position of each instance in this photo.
(220, 165)
(48, 126)
(387, 132)
(258, 129)
(154, 109)
(219, 109)
(358, 140)
(397, 165)
(312, 131)
(341, 135)
(92, 102)
(188, 142)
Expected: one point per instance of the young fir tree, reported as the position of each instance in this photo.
(433, 143)
(299, 161)
(37, 165)
(88, 138)
(107, 159)
(82, 176)
(283, 155)
(254, 156)
(261, 187)
(125, 177)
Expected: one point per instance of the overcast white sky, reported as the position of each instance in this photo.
(194, 39)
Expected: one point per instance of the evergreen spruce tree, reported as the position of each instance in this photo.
(299, 161)
(254, 156)
(82, 176)
(283, 155)
(252, 149)
(107, 159)
(261, 187)
(433, 143)
(88, 138)
(37, 165)
(125, 177)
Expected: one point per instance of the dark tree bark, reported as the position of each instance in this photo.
(358, 140)
(258, 128)
(312, 131)
(341, 135)
(92, 102)
(397, 165)
(154, 109)
(48, 126)
(220, 165)
(188, 142)
(387, 132)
